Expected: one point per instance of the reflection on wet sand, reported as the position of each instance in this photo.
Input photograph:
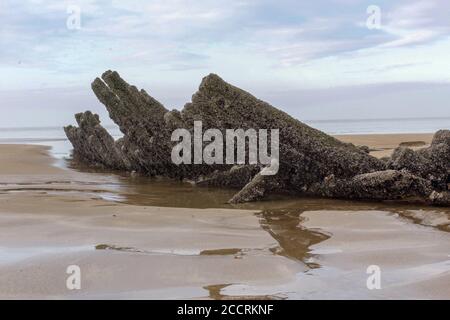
(294, 240)
(222, 252)
(280, 216)
(215, 294)
(137, 237)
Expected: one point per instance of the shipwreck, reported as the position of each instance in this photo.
(311, 163)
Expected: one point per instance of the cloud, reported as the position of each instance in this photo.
(185, 38)
(416, 23)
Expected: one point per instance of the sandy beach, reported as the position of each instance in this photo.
(130, 244)
(382, 145)
(239, 150)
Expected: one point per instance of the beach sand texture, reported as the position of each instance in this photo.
(53, 217)
(382, 145)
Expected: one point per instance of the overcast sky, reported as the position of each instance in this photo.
(314, 59)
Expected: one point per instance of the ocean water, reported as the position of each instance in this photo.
(49, 136)
(367, 126)
(55, 136)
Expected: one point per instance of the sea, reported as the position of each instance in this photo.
(61, 147)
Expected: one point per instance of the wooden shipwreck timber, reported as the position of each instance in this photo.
(310, 162)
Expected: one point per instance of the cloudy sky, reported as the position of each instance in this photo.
(314, 59)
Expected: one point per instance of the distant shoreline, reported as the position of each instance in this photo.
(381, 144)
(406, 125)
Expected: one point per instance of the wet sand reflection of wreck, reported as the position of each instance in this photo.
(294, 240)
(280, 216)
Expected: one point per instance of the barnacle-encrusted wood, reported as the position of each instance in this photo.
(310, 161)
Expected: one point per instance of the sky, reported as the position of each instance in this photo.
(314, 59)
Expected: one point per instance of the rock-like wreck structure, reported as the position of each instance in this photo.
(310, 162)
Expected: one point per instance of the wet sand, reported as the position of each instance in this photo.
(140, 238)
